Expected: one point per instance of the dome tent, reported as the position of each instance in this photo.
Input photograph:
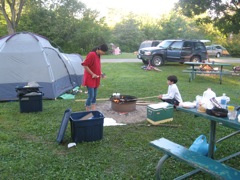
(26, 57)
(77, 72)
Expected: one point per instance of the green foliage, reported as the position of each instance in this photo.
(91, 32)
(127, 34)
(60, 25)
(150, 28)
(3, 29)
(233, 45)
(40, 21)
(73, 28)
(11, 11)
(28, 147)
(177, 26)
(223, 14)
(3, 26)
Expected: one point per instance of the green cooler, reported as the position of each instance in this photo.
(159, 113)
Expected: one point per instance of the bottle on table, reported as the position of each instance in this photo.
(224, 101)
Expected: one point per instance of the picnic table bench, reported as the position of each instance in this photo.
(194, 159)
(196, 70)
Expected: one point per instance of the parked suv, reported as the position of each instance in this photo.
(174, 51)
(147, 43)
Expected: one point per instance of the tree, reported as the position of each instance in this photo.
(223, 14)
(150, 28)
(68, 24)
(127, 34)
(11, 10)
(3, 29)
(175, 25)
(89, 32)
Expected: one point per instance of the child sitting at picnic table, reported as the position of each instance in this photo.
(173, 95)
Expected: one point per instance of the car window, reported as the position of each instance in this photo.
(145, 44)
(218, 47)
(155, 43)
(187, 45)
(165, 44)
(214, 48)
(199, 46)
(177, 45)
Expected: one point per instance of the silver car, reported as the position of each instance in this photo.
(145, 44)
(217, 51)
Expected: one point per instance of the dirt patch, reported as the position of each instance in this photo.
(139, 115)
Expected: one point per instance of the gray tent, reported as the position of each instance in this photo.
(26, 57)
(75, 60)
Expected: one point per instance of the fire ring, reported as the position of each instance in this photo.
(123, 103)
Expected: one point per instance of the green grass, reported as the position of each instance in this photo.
(28, 147)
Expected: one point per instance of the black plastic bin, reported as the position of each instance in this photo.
(30, 99)
(86, 126)
(31, 102)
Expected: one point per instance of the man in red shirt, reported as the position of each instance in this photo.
(93, 74)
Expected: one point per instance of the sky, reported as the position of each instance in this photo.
(153, 8)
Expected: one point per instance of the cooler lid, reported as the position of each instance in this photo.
(159, 105)
(63, 126)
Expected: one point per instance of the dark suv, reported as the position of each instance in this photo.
(174, 51)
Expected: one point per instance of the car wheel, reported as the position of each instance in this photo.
(218, 55)
(195, 59)
(144, 61)
(157, 61)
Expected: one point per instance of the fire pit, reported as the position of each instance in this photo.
(123, 103)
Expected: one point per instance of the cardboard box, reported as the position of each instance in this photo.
(159, 113)
(86, 130)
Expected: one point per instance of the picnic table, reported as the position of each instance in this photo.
(233, 124)
(196, 70)
(200, 162)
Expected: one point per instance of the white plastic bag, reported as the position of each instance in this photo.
(188, 104)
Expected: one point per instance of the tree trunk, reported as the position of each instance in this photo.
(12, 11)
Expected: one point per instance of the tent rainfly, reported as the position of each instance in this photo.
(26, 57)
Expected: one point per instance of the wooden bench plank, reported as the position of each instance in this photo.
(196, 160)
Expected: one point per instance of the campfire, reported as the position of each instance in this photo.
(123, 103)
(206, 67)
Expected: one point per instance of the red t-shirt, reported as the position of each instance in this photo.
(93, 62)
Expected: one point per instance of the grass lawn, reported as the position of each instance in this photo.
(28, 147)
